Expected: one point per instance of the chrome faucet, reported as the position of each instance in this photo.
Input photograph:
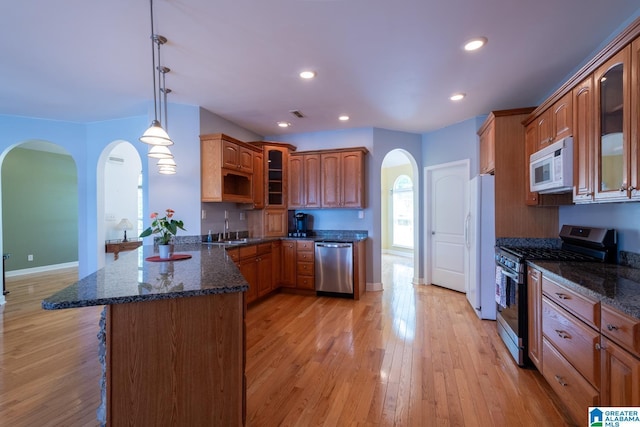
(226, 228)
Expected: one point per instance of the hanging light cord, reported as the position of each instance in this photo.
(153, 69)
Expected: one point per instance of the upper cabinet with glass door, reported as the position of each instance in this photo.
(612, 144)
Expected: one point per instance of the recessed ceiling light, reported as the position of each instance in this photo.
(308, 74)
(284, 124)
(475, 44)
(343, 118)
(457, 96)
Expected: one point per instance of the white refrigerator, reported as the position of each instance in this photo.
(480, 236)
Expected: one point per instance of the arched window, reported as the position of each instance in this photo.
(402, 208)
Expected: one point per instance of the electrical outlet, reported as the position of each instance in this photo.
(361, 214)
(242, 216)
(204, 214)
(30, 257)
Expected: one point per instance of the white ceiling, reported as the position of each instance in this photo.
(388, 64)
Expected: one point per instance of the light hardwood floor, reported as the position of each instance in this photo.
(407, 356)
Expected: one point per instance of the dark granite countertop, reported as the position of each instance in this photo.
(133, 279)
(615, 285)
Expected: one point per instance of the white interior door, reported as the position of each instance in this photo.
(447, 189)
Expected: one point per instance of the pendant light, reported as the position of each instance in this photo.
(166, 165)
(155, 134)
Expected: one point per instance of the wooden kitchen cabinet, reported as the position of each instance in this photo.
(305, 264)
(289, 263)
(621, 376)
(276, 263)
(612, 95)
(534, 305)
(236, 156)
(249, 270)
(635, 120)
(226, 169)
(554, 123)
(264, 265)
(304, 180)
(258, 181)
(513, 217)
(620, 358)
(487, 151)
(343, 178)
(583, 149)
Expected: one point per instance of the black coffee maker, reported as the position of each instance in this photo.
(301, 225)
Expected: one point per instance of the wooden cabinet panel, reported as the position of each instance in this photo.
(621, 376)
(276, 263)
(562, 117)
(304, 181)
(249, 270)
(197, 344)
(306, 282)
(583, 150)
(275, 222)
(312, 180)
(586, 309)
(544, 132)
(487, 150)
(534, 290)
(289, 263)
(331, 179)
(576, 393)
(264, 273)
(531, 146)
(296, 182)
(305, 245)
(573, 339)
(623, 329)
(342, 179)
(258, 181)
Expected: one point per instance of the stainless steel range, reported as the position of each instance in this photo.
(590, 244)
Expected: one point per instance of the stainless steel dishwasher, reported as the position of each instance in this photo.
(334, 268)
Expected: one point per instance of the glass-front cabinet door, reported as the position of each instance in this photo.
(612, 94)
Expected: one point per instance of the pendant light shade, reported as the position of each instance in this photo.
(167, 170)
(156, 135)
(166, 162)
(160, 152)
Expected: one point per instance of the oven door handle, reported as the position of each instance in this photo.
(510, 275)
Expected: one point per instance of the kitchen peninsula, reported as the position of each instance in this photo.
(172, 337)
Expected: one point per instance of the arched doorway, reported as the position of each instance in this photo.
(39, 186)
(119, 199)
(399, 218)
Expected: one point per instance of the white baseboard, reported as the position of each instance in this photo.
(418, 281)
(41, 269)
(374, 287)
(397, 253)
(2, 299)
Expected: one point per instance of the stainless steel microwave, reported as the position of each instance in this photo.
(551, 169)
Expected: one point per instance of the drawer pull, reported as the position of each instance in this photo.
(598, 346)
(563, 334)
(560, 381)
(611, 327)
(561, 295)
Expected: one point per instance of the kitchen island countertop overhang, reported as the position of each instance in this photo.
(133, 279)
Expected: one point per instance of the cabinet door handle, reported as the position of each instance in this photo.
(561, 295)
(611, 327)
(598, 346)
(563, 334)
(560, 380)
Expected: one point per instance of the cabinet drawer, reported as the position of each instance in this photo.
(305, 245)
(305, 256)
(248, 251)
(576, 393)
(306, 282)
(573, 339)
(586, 309)
(306, 269)
(623, 329)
